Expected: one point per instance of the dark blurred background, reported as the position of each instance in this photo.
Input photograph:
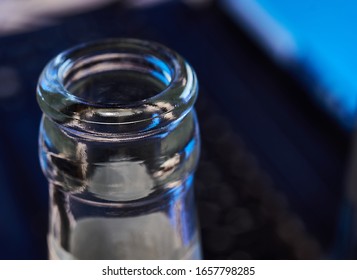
(276, 110)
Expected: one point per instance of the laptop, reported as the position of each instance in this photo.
(313, 39)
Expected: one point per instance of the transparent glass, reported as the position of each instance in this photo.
(119, 144)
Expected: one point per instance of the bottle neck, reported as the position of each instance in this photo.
(117, 88)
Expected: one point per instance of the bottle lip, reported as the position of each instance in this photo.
(64, 107)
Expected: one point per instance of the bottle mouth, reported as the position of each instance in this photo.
(117, 86)
(109, 78)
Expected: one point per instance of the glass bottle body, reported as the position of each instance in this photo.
(119, 188)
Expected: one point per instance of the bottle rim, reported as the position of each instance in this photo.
(65, 107)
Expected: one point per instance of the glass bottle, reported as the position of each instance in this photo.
(119, 143)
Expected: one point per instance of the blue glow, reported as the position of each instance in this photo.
(155, 121)
(165, 75)
(325, 43)
(190, 147)
(160, 77)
